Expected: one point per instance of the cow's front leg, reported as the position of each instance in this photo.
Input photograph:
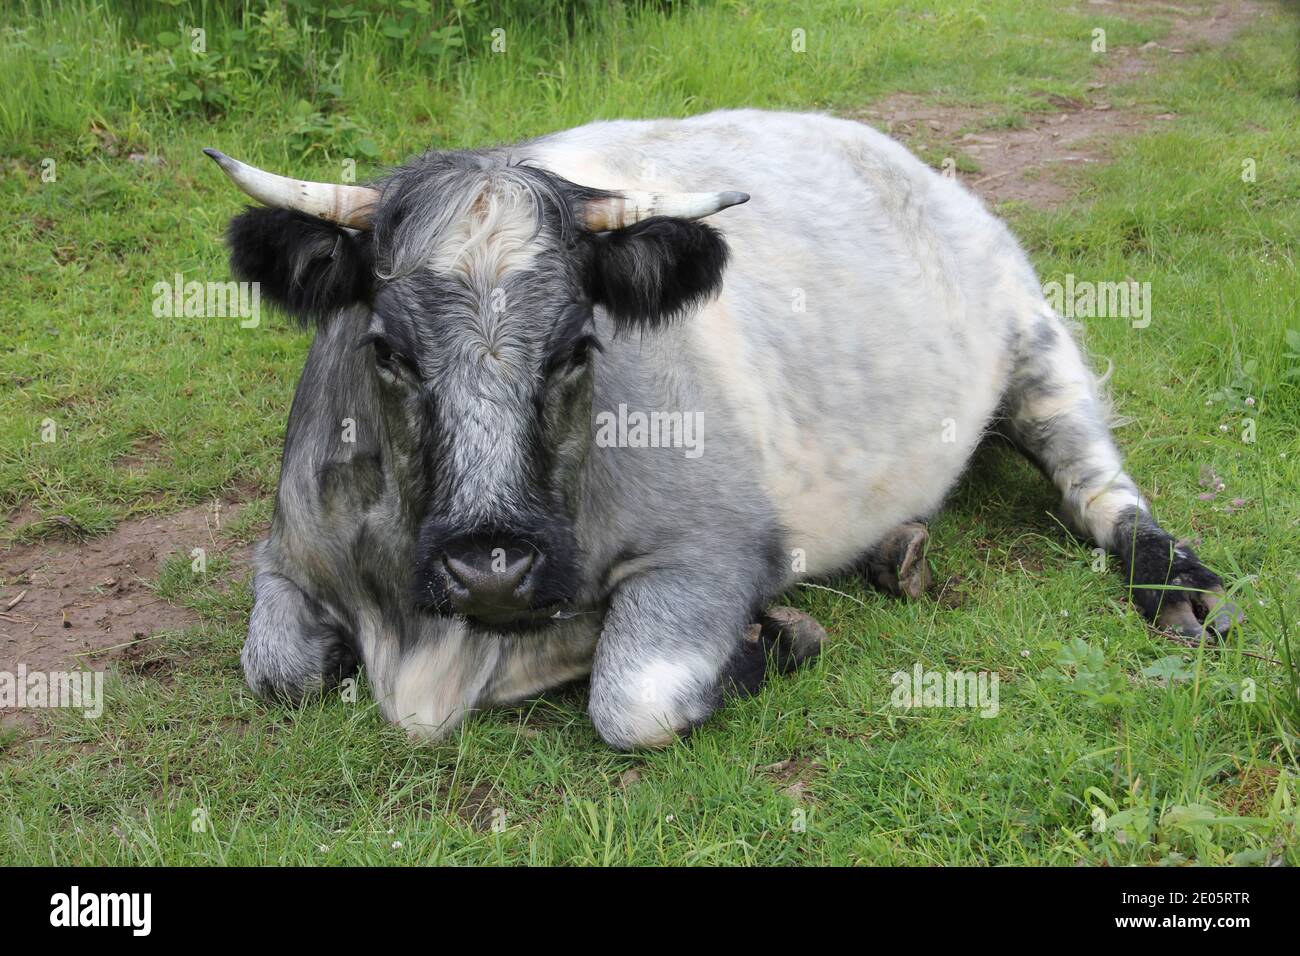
(673, 644)
(295, 648)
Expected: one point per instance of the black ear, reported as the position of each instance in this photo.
(647, 274)
(306, 266)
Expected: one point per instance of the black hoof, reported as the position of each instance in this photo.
(783, 639)
(1172, 588)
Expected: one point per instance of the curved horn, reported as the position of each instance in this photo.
(626, 208)
(352, 206)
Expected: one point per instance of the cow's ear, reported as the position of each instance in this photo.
(306, 266)
(649, 273)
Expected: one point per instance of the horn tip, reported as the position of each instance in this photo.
(218, 157)
(732, 199)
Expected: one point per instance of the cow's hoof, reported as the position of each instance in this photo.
(782, 639)
(798, 635)
(1198, 613)
(1172, 587)
(898, 566)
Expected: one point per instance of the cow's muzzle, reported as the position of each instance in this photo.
(516, 577)
(492, 579)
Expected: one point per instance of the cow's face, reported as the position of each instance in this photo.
(482, 287)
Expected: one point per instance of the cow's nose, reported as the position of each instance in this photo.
(490, 580)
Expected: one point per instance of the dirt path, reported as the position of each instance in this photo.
(1027, 163)
(71, 605)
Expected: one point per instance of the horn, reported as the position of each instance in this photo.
(625, 208)
(352, 206)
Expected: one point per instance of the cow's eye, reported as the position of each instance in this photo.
(573, 357)
(383, 352)
(582, 351)
(385, 358)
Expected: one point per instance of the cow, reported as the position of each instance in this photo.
(554, 425)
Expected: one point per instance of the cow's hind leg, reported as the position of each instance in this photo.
(1055, 416)
(897, 565)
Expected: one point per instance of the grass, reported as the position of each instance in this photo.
(1190, 754)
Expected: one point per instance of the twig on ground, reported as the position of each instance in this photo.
(822, 587)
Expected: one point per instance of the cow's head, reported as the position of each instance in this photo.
(481, 277)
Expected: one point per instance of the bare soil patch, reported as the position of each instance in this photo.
(795, 776)
(66, 605)
(1027, 163)
(145, 453)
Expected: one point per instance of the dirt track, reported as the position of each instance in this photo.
(1026, 164)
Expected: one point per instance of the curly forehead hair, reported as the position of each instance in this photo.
(459, 209)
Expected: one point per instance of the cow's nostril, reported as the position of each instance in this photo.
(492, 580)
(475, 575)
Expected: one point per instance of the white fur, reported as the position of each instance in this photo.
(907, 285)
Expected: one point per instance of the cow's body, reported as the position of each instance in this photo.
(866, 330)
(873, 322)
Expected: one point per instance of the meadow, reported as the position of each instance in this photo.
(1113, 744)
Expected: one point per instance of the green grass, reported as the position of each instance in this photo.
(1190, 769)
